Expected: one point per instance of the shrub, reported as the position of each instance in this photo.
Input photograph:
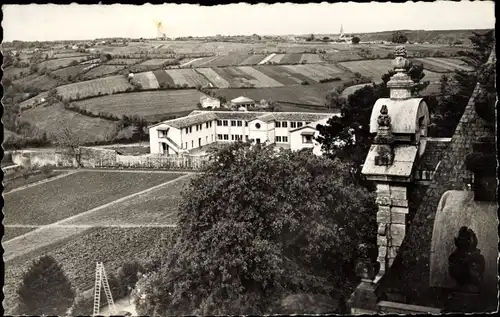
(304, 83)
(45, 289)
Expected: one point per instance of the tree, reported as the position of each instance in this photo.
(356, 40)
(253, 229)
(69, 140)
(45, 289)
(399, 37)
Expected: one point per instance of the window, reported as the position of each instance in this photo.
(278, 124)
(186, 145)
(293, 125)
(240, 123)
(219, 136)
(247, 138)
(246, 123)
(284, 124)
(192, 144)
(307, 139)
(190, 129)
(212, 137)
(207, 124)
(197, 127)
(224, 123)
(187, 130)
(226, 137)
(285, 139)
(257, 125)
(278, 139)
(219, 122)
(181, 145)
(233, 123)
(308, 122)
(232, 137)
(210, 123)
(299, 124)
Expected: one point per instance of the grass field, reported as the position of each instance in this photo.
(152, 105)
(102, 70)
(88, 129)
(157, 62)
(147, 80)
(105, 85)
(261, 79)
(203, 62)
(278, 74)
(302, 94)
(52, 64)
(74, 194)
(163, 78)
(68, 72)
(70, 54)
(41, 82)
(16, 71)
(228, 60)
(123, 61)
(12, 232)
(314, 72)
(158, 206)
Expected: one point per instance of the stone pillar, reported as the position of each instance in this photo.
(392, 203)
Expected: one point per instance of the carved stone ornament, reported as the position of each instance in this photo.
(400, 51)
(384, 139)
(466, 264)
(365, 267)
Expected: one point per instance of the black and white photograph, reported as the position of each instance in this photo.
(185, 159)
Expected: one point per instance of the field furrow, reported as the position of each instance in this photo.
(103, 86)
(276, 59)
(310, 58)
(277, 75)
(253, 59)
(191, 77)
(292, 58)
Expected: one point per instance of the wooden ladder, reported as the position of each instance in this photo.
(101, 279)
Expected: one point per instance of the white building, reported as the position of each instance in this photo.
(209, 102)
(242, 102)
(292, 130)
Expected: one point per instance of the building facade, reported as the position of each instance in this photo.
(292, 130)
(209, 102)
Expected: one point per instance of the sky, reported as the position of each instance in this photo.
(49, 22)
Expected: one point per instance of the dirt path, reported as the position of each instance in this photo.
(46, 235)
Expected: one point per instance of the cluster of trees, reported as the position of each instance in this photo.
(46, 290)
(355, 40)
(399, 37)
(253, 230)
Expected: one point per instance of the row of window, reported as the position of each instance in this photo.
(185, 146)
(293, 124)
(234, 137)
(234, 123)
(281, 139)
(198, 127)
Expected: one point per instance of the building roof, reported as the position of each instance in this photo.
(242, 99)
(200, 116)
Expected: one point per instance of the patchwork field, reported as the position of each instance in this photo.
(74, 194)
(69, 72)
(16, 71)
(41, 82)
(152, 105)
(314, 95)
(253, 59)
(88, 129)
(187, 77)
(102, 70)
(443, 65)
(52, 64)
(158, 62)
(123, 61)
(106, 85)
(69, 54)
(215, 79)
(227, 60)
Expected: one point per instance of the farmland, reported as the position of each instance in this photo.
(53, 64)
(303, 94)
(187, 77)
(124, 61)
(158, 62)
(102, 70)
(88, 129)
(69, 72)
(41, 82)
(79, 252)
(74, 194)
(106, 85)
(214, 78)
(158, 206)
(152, 105)
(147, 80)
